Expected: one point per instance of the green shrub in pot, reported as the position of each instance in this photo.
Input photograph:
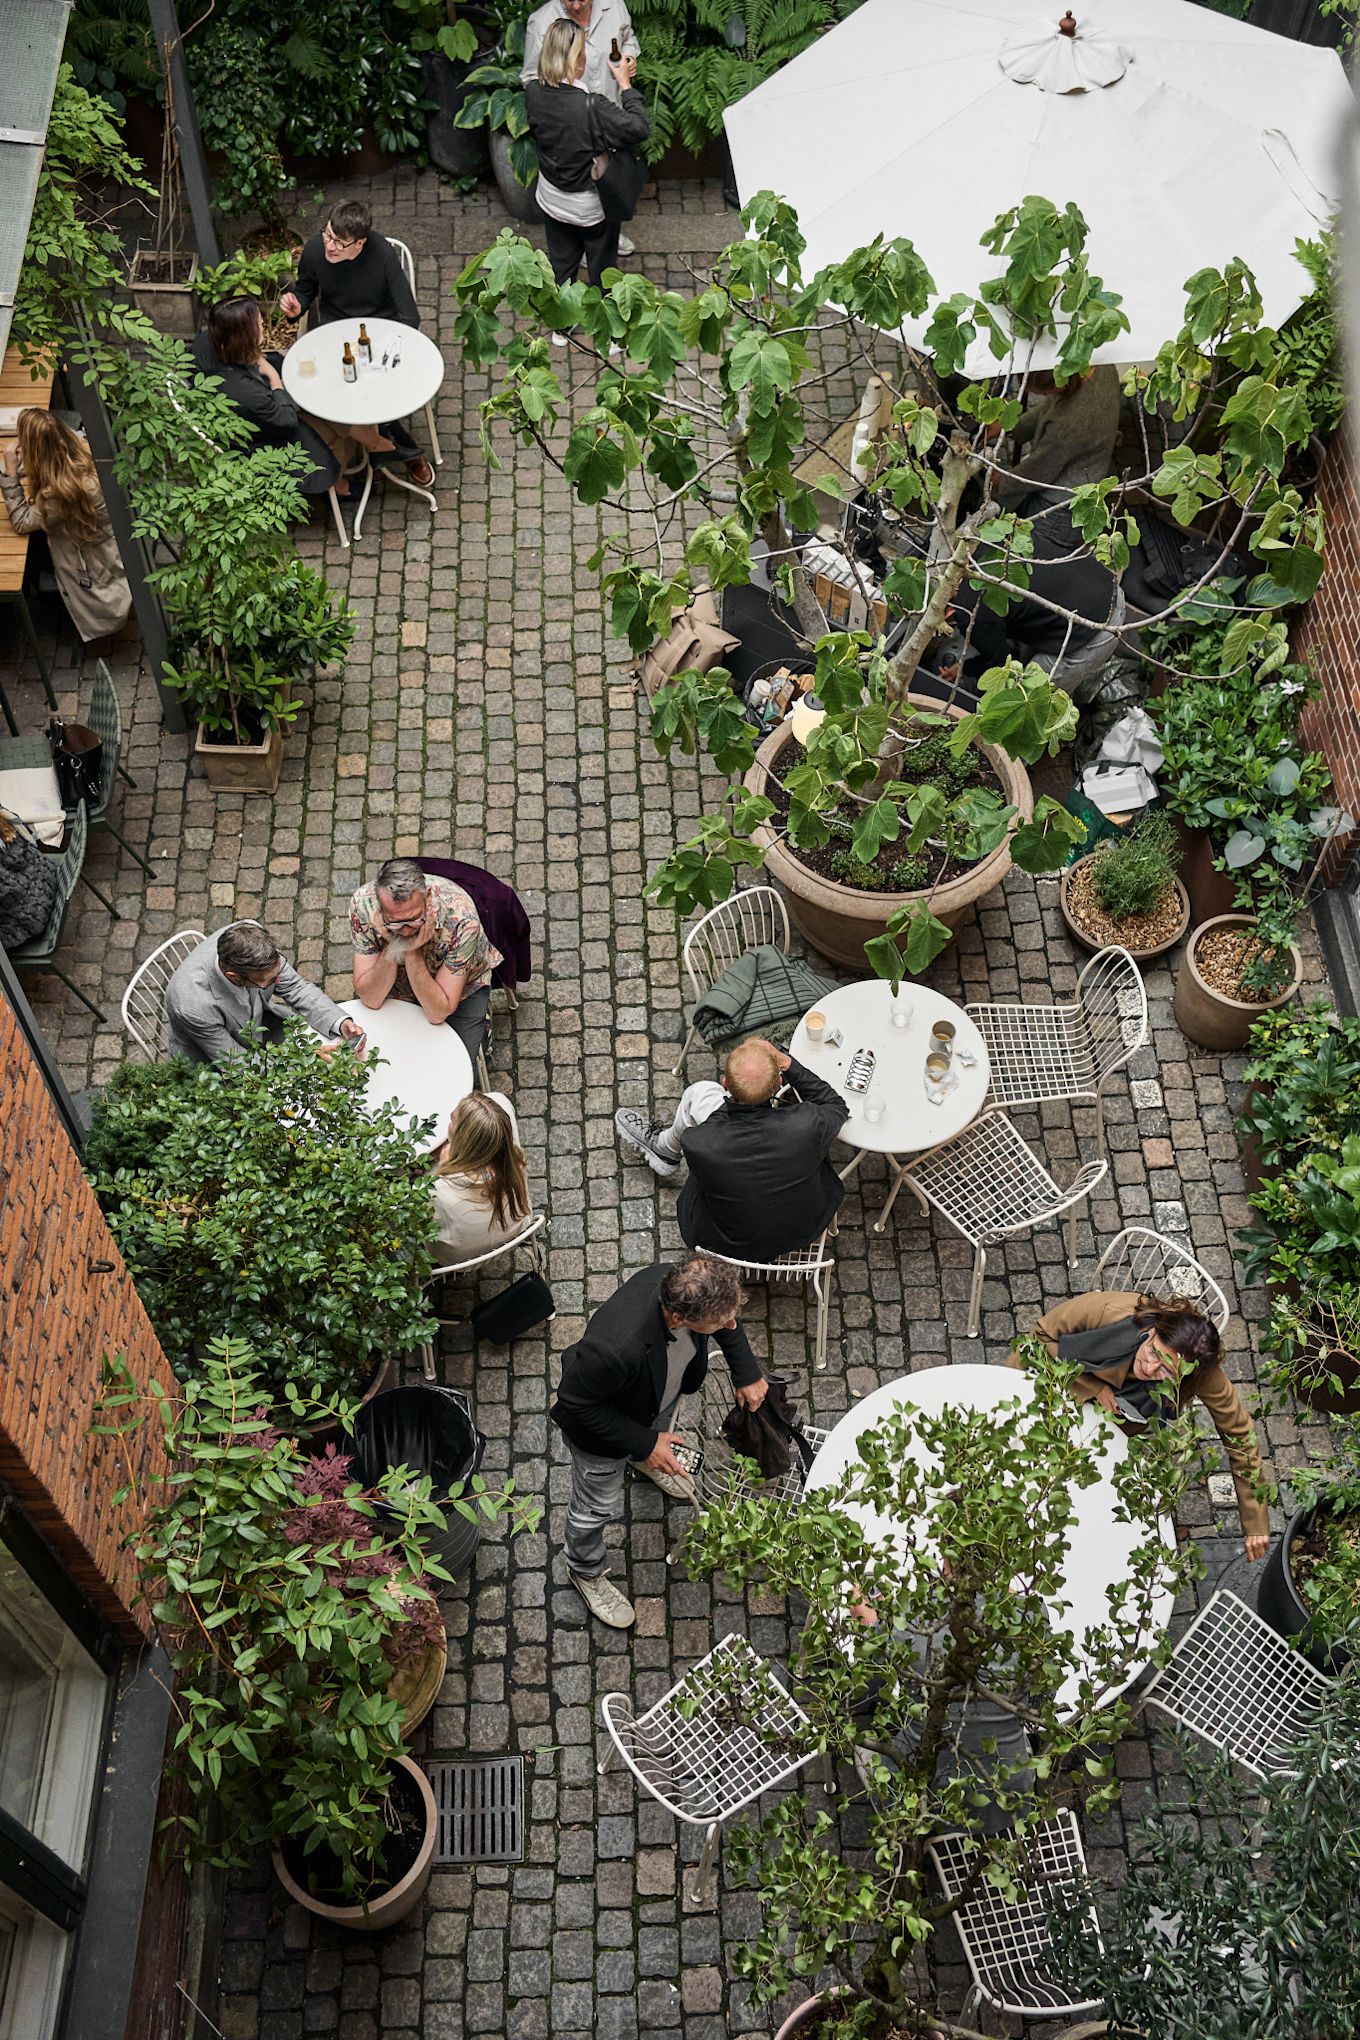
(1325, 1565)
(261, 1198)
(1134, 872)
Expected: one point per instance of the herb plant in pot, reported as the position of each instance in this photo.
(1310, 1589)
(1127, 892)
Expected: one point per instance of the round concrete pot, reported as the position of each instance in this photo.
(1094, 942)
(839, 919)
(384, 1908)
(1207, 1016)
(519, 200)
(1279, 1602)
(417, 1685)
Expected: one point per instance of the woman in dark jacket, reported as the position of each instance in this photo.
(231, 348)
(570, 126)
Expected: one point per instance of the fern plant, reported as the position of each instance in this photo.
(700, 56)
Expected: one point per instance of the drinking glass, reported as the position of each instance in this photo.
(307, 366)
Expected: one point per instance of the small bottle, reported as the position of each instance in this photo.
(615, 53)
(365, 348)
(349, 367)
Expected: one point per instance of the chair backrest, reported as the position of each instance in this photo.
(749, 920)
(1112, 1004)
(535, 1225)
(798, 1265)
(1008, 1941)
(1233, 1680)
(106, 720)
(407, 261)
(143, 1006)
(1156, 1266)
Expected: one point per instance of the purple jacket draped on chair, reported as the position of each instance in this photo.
(500, 912)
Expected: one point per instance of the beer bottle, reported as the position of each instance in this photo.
(615, 53)
(365, 348)
(349, 367)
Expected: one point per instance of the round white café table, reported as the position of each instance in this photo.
(911, 1122)
(377, 395)
(1099, 1545)
(426, 1069)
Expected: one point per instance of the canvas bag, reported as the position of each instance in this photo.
(619, 174)
(697, 643)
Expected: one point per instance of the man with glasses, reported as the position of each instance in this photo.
(221, 999)
(602, 22)
(349, 272)
(419, 938)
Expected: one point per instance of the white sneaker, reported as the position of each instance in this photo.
(626, 247)
(603, 1598)
(560, 339)
(678, 1485)
(639, 1132)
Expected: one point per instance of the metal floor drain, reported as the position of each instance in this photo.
(481, 1810)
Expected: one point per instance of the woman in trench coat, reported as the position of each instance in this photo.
(52, 487)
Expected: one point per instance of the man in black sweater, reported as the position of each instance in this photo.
(621, 1381)
(349, 272)
(760, 1183)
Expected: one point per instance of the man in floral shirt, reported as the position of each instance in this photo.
(419, 938)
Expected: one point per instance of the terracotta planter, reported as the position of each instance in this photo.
(839, 919)
(242, 768)
(326, 1430)
(1279, 1602)
(417, 1685)
(1211, 891)
(1205, 1015)
(804, 2022)
(1094, 942)
(384, 1908)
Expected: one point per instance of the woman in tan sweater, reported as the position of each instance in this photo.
(1121, 1345)
(53, 488)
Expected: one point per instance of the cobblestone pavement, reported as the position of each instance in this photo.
(485, 711)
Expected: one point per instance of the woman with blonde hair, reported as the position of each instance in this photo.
(481, 1191)
(570, 127)
(53, 488)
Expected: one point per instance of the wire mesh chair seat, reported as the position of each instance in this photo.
(1237, 1683)
(724, 1733)
(723, 1475)
(407, 261)
(812, 1264)
(1007, 1942)
(989, 1183)
(143, 1008)
(1046, 1055)
(751, 919)
(527, 1236)
(1156, 1266)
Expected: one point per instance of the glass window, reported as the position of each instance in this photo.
(52, 1698)
(32, 1963)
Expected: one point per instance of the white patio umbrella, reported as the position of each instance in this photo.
(1184, 137)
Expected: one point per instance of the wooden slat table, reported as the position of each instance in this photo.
(19, 390)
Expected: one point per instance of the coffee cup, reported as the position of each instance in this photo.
(942, 1033)
(814, 1025)
(937, 1066)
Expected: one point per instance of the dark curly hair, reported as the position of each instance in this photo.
(1182, 1326)
(700, 1290)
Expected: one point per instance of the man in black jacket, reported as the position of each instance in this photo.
(620, 1384)
(760, 1183)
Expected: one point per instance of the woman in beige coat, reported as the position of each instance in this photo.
(53, 488)
(481, 1192)
(1121, 1345)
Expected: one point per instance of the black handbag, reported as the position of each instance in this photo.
(78, 760)
(503, 1318)
(772, 1434)
(619, 174)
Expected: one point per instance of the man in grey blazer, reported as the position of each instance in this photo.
(229, 984)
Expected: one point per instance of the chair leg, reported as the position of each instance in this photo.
(1100, 1124)
(427, 1361)
(689, 1043)
(1072, 1235)
(434, 436)
(483, 1074)
(700, 1885)
(124, 774)
(975, 1293)
(340, 530)
(88, 1003)
(135, 855)
(102, 898)
(823, 1287)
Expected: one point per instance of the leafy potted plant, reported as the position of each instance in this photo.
(495, 103)
(1310, 1589)
(261, 277)
(284, 1609)
(931, 1676)
(704, 414)
(262, 1197)
(1128, 892)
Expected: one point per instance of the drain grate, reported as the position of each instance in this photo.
(481, 1810)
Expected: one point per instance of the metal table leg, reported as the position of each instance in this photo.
(26, 619)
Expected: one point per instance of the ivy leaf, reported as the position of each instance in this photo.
(655, 337)
(926, 937)
(1045, 843)
(477, 333)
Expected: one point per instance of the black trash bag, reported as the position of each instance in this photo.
(430, 1430)
(770, 1435)
(1103, 699)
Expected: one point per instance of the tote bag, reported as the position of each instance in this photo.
(619, 174)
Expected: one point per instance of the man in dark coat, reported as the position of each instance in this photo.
(760, 1183)
(621, 1381)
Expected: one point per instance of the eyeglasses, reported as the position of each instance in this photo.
(327, 234)
(400, 926)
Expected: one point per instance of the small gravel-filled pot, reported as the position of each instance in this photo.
(1205, 1013)
(1143, 935)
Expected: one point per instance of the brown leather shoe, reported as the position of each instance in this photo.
(421, 473)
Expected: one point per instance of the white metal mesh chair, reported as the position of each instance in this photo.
(1156, 1266)
(812, 1264)
(722, 1475)
(528, 1237)
(1233, 1680)
(989, 1184)
(1007, 1942)
(1044, 1055)
(144, 1000)
(724, 1733)
(407, 261)
(749, 920)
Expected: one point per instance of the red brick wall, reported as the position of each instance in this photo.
(1329, 635)
(57, 1319)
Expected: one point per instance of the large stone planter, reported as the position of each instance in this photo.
(839, 919)
(242, 768)
(519, 200)
(384, 1908)
(1206, 1015)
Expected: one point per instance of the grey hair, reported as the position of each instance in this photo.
(401, 878)
(699, 1289)
(247, 948)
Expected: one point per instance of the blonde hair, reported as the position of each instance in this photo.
(564, 45)
(59, 477)
(482, 1145)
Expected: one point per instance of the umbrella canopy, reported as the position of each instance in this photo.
(1184, 137)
